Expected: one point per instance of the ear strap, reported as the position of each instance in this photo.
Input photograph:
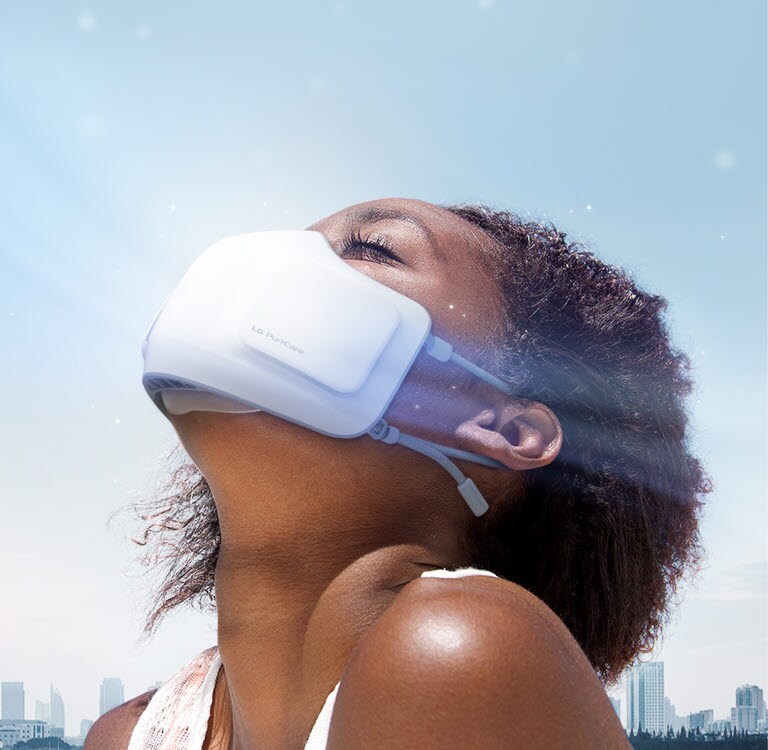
(443, 352)
(474, 498)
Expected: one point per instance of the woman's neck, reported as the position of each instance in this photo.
(310, 557)
(284, 645)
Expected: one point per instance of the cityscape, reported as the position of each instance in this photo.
(648, 711)
(16, 728)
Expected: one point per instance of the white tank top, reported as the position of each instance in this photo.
(177, 715)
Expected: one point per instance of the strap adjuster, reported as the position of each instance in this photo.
(385, 432)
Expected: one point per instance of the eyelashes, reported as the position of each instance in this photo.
(367, 247)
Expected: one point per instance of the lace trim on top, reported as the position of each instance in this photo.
(177, 715)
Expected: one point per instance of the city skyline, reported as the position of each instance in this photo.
(643, 683)
(648, 705)
(15, 701)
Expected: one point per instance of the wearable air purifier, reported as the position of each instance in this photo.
(277, 321)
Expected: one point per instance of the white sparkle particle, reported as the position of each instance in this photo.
(589, 208)
(12, 314)
(93, 406)
(450, 306)
(453, 387)
(264, 205)
(117, 420)
(86, 21)
(722, 236)
(571, 210)
(463, 315)
(143, 32)
(416, 406)
(724, 159)
(173, 206)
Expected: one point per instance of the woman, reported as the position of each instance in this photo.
(360, 604)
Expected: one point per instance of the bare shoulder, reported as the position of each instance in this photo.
(112, 731)
(471, 662)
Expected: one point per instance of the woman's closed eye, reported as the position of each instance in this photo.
(367, 247)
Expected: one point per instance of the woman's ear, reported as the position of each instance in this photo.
(520, 434)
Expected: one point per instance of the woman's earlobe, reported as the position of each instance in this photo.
(521, 435)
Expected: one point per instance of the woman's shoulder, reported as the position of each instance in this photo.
(471, 660)
(488, 609)
(472, 588)
(112, 730)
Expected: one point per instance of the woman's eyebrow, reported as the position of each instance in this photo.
(371, 214)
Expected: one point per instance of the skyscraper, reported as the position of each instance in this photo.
(111, 694)
(749, 708)
(12, 700)
(57, 709)
(645, 697)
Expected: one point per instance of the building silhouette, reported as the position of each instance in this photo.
(645, 697)
(57, 712)
(701, 720)
(21, 730)
(671, 719)
(111, 694)
(85, 727)
(749, 710)
(42, 711)
(12, 701)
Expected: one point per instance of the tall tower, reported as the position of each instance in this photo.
(645, 698)
(111, 694)
(749, 709)
(12, 700)
(57, 709)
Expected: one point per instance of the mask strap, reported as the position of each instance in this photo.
(443, 352)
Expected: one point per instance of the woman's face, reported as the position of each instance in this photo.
(436, 264)
(428, 254)
(437, 261)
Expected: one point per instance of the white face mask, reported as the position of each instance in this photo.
(276, 321)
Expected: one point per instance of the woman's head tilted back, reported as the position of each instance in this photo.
(598, 513)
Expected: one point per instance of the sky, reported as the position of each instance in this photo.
(133, 135)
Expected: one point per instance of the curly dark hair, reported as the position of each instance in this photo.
(607, 531)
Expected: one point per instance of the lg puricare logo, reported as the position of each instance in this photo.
(271, 337)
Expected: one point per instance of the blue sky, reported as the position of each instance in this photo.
(134, 135)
